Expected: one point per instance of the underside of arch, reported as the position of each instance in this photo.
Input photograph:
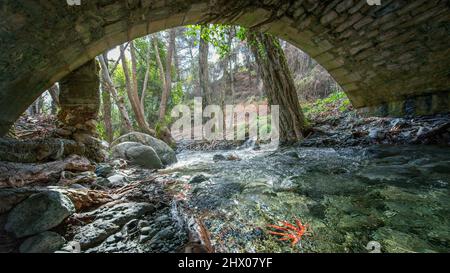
(392, 59)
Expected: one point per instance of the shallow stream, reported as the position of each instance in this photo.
(397, 196)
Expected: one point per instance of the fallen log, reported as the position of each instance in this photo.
(20, 174)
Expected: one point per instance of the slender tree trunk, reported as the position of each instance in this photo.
(131, 87)
(107, 119)
(54, 93)
(158, 61)
(231, 59)
(32, 109)
(279, 85)
(168, 80)
(249, 68)
(147, 74)
(39, 105)
(106, 98)
(223, 93)
(204, 70)
(176, 59)
(109, 85)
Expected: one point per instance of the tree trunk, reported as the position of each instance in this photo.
(131, 87)
(168, 80)
(279, 85)
(147, 74)
(176, 60)
(39, 105)
(31, 111)
(109, 85)
(204, 70)
(54, 93)
(248, 63)
(107, 119)
(158, 61)
(106, 98)
(231, 59)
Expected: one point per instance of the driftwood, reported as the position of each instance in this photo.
(19, 174)
(198, 235)
(435, 132)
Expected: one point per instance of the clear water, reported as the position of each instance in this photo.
(397, 196)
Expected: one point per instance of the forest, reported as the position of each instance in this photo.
(94, 166)
(215, 62)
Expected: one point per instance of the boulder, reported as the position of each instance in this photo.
(120, 150)
(144, 156)
(45, 242)
(138, 154)
(165, 153)
(39, 212)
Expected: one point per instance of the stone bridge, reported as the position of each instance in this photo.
(390, 59)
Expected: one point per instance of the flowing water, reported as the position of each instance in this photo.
(397, 196)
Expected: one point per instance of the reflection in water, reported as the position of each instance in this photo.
(395, 196)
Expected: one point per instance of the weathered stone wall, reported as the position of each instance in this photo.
(427, 104)
(79, 96)
(79, 100)
(379, 54)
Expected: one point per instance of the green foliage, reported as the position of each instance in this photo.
(101, 130)
(177, 94)
(336, 101)
(216, 35)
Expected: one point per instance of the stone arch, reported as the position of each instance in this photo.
(386, 57)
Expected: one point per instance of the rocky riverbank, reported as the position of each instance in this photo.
(352, 179)
(348, 129)
(75, 205)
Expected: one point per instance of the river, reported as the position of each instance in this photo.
(394, 196)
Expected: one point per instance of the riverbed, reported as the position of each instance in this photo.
(396, 197)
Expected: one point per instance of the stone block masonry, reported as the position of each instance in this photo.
(79, 106)
(379, 54)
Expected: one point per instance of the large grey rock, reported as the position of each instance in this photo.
(45, 242)
(165, 153)
(38, 213)
(144, 156)
(120, 150)
(138, 154)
